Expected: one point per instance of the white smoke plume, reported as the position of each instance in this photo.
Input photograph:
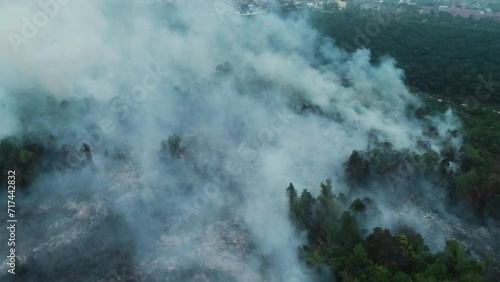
(122, 76)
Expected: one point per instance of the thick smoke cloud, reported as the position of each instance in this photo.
(123, 76)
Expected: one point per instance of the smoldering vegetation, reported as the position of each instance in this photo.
(160, 141)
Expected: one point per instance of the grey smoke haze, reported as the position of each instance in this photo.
(131, 74)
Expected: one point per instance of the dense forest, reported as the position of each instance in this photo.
(451, 56)
(453, 62)
(336, 241)
(176, 182)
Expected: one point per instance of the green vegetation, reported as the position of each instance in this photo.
(453, 58)
(440, 54)
(173, 146)
(22, 156)
(478, 182)
(335, 240)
